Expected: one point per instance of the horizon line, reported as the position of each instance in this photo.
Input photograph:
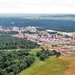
(39, 13)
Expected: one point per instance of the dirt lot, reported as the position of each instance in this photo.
(71, 60)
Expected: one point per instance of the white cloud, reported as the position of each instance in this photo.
(37, 6)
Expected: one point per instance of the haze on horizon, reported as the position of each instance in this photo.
(37, 6)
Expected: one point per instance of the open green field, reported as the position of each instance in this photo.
(52, 66)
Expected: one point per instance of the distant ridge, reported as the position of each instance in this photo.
(59, 22)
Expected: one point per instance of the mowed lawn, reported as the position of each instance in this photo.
(52, 66)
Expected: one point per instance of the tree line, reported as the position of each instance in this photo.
(9, 32)
(44, 54)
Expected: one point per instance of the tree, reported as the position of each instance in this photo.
(22, 66)
(42, 57)
(15, 69)
(11, 73)
(55, 52)
(51, 53)
(38, 54)
(7, 63)
(46, 56)
(3, 72)
(58, 54)
(67, 36)
(29, 60)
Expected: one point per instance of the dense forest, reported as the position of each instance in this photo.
(12, 62)
(9, 42)
(59, 25)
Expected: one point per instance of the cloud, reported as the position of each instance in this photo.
(37, 6)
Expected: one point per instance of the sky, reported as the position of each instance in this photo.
(37, 6)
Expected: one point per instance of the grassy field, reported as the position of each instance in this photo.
(52, 66)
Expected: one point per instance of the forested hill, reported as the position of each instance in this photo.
(54, 24)
(9, 42)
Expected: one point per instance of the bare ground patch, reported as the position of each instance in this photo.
(71, 60)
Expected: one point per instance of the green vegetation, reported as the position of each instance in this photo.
(52, 66)
(44, 54)
(28, 32)
(9, 32)
(67, 36)
(13, 62)
(22, 63)
(12, 32)
(27, 62)
(9, 42)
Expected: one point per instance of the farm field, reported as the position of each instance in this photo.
(52, 66)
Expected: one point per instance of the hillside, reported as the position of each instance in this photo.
(52, 66)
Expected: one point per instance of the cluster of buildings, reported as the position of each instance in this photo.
(49, 38)
(18, 29)
(66, 50)
(43, 38)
